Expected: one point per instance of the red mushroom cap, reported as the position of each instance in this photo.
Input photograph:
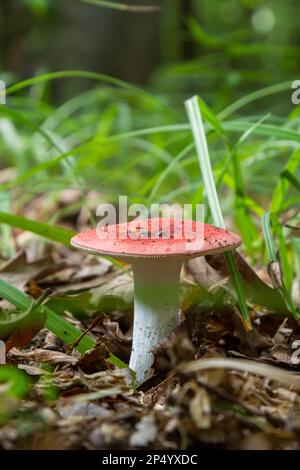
(157, 238)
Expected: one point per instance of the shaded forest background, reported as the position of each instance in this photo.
(68, 144)
(217, 48)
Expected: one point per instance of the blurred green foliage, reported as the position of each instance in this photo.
(218, 48)
(105, 137)
(101, 137)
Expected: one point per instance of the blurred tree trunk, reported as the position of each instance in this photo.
(176, 44)
(15, 23)
(76, 35)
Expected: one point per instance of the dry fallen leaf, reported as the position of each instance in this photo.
(18, 272)
(45, 356)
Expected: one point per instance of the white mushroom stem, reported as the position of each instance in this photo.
(156, 286)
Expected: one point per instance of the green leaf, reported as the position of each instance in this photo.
(58, 325)
(112, 359)
(51, 232)
(18, 381)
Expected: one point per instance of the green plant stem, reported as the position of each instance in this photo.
(123, 6)
(194, 114)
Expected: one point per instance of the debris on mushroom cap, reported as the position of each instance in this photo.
(157, 238)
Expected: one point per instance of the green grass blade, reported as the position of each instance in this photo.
(194, 114)
(264, 130)
(251, 129)
(68, 160)
(198, 131)
(280, 192)
(123, 6)
(21, 118)
(291, 178)
(271, 249)
(254, 96)
(67, 332)
(242, 211)
(58, 325)
(51, 232)
(79, 74)
(296, 247)
(266, 225)
(172, 165)
(287, 268)
(7, 248)
(210, 117)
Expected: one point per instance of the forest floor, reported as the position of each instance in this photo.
(86, 402)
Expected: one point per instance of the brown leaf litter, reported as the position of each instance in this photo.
(212, 384)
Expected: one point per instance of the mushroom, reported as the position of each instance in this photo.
(156, 254)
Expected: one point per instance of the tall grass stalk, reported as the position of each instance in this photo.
(197, 126)
(123, 6)
(273, 258)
